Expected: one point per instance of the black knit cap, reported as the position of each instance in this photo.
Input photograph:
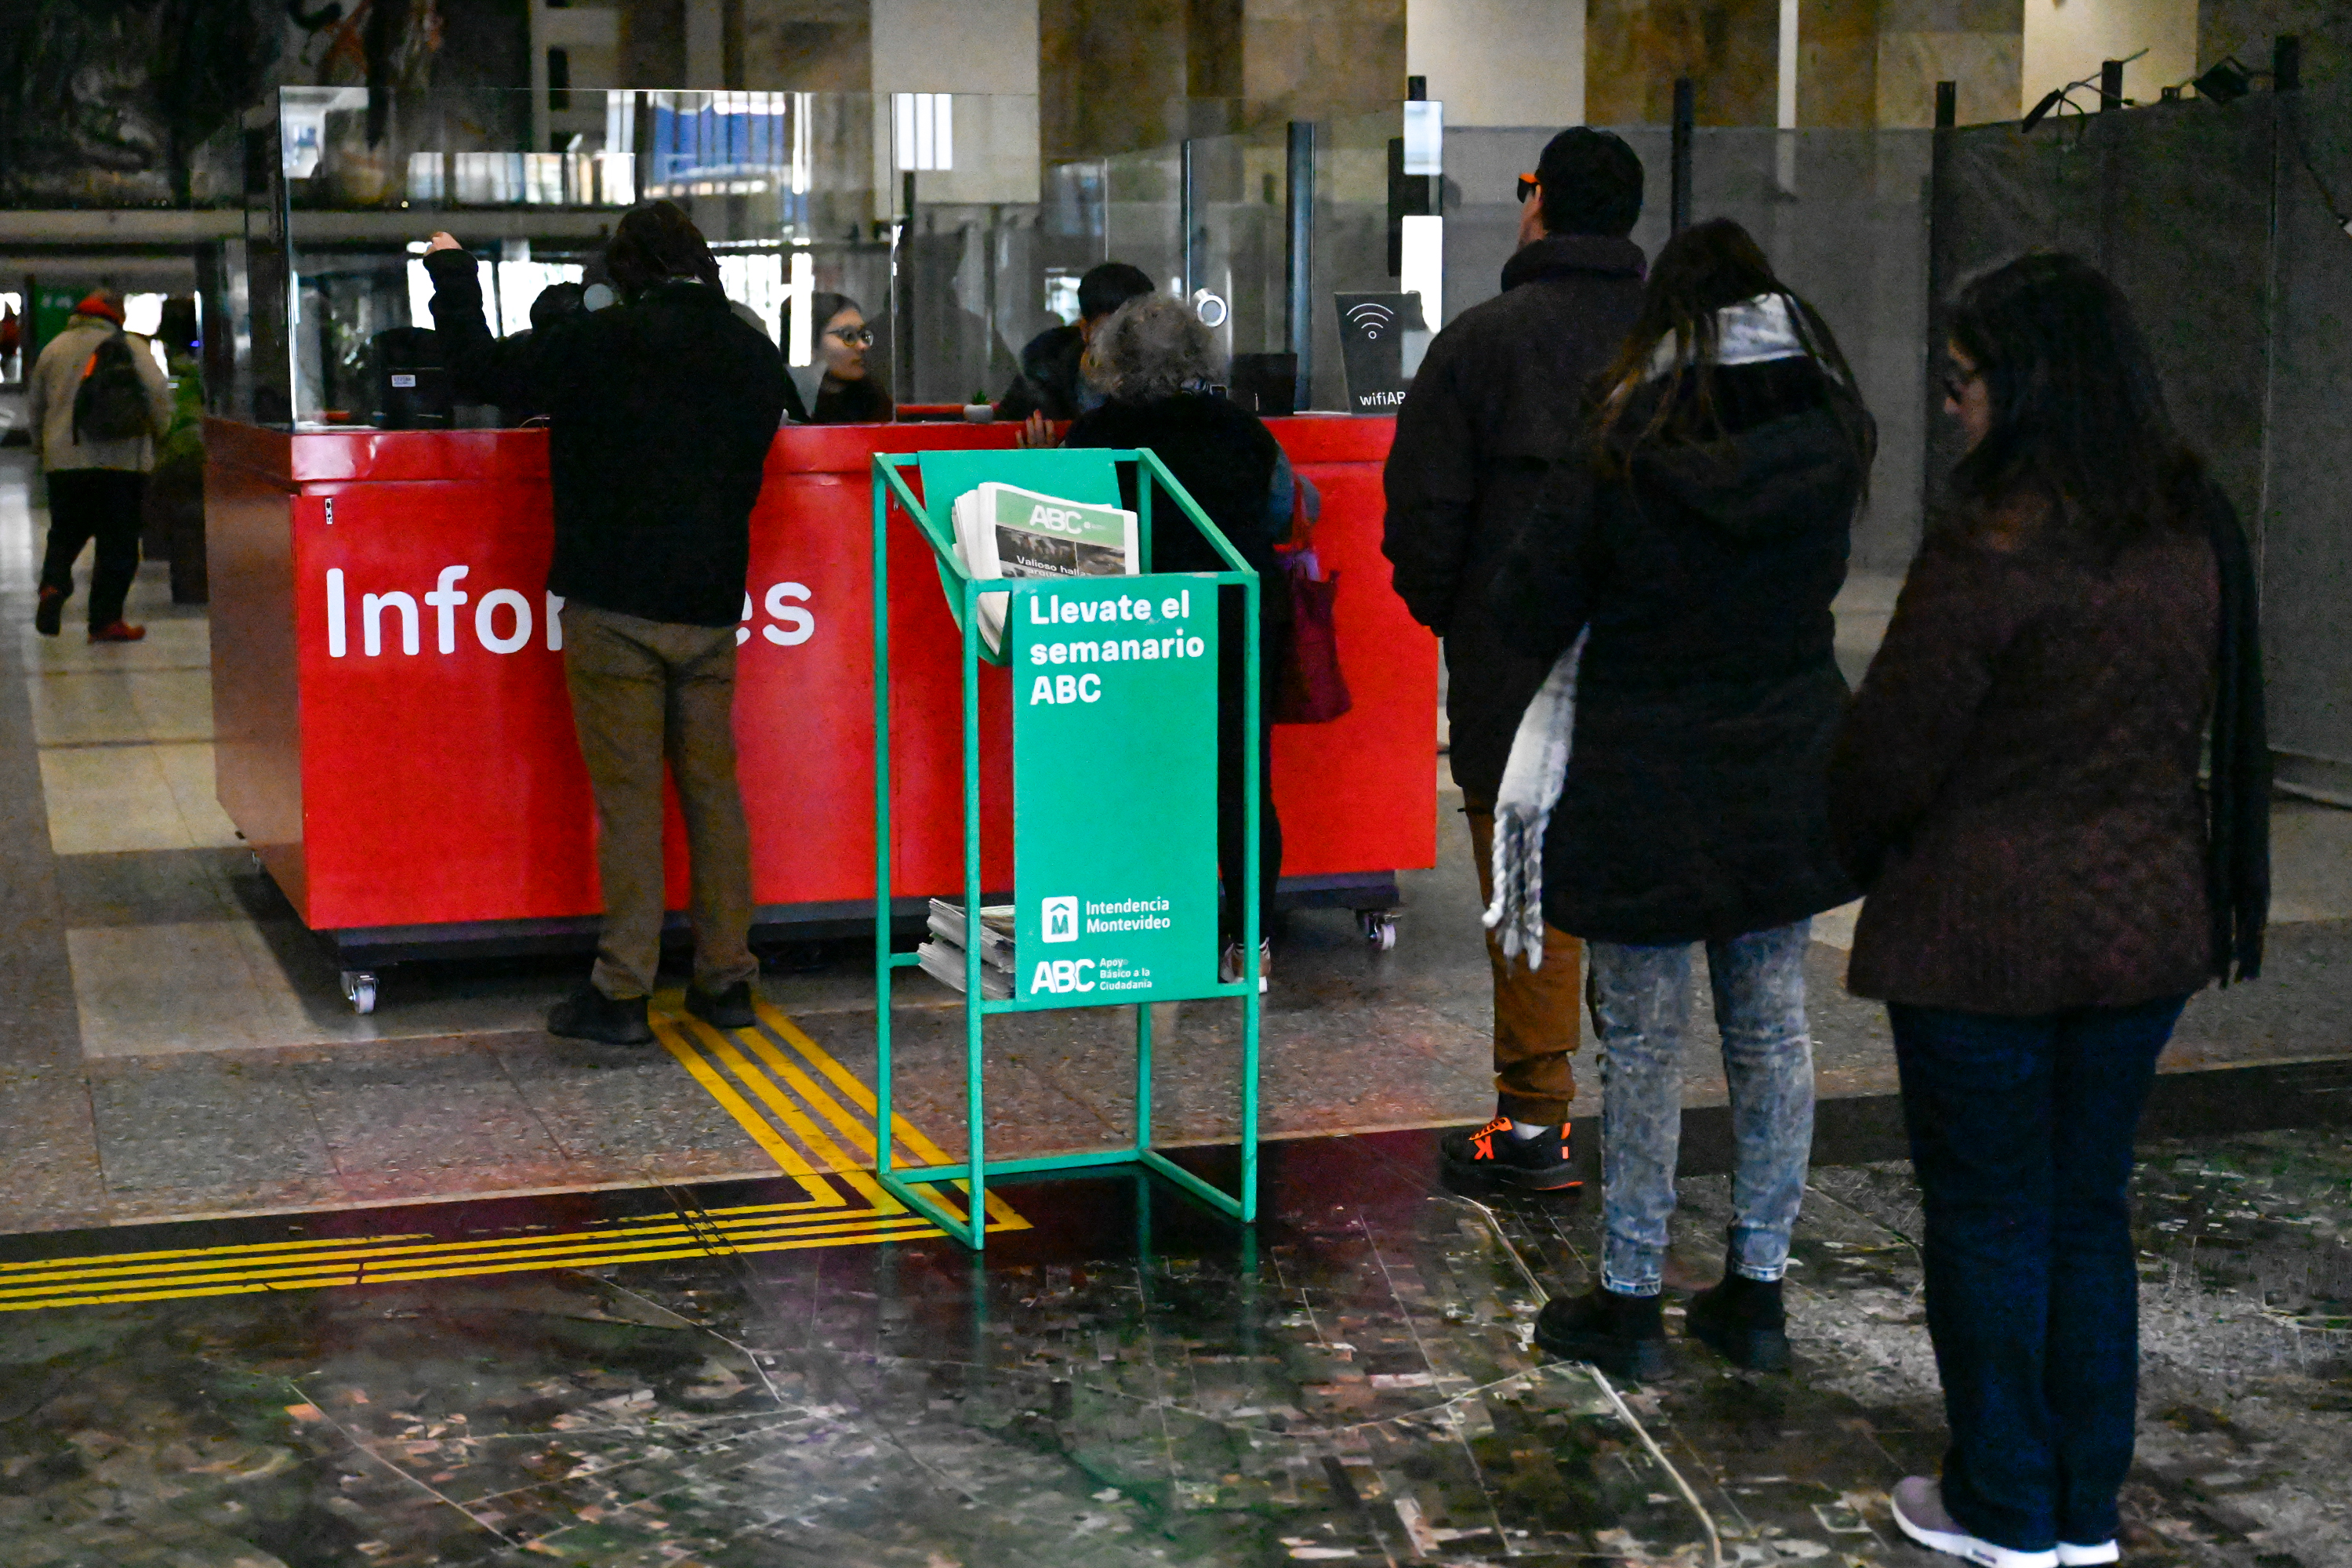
(1592, 182)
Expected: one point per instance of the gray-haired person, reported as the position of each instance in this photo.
(1155, 365)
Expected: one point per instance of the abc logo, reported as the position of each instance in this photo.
(1058, 520)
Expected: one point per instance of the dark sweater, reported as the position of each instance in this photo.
(859, 402)
(1222, 454)
(1050, 382)
(1692, 808)
(660, 417)
(1496, 401)
(2016, 784)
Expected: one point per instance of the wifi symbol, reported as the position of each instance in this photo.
(1371, 319)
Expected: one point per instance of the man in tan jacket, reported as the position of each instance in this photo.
(94, 482)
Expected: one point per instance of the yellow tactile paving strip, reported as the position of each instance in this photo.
(799, 1119)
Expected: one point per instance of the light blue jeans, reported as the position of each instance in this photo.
(1640, 998)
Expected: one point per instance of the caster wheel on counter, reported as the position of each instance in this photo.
(1379, 928)
(358, 989)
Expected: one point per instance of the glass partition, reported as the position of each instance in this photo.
(935, 216)
(922, 210)
(932, 212)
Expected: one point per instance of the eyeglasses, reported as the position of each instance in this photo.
(1529, 185)
(853, 337)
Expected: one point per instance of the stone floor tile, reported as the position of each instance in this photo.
(188, 772)
(414, 1118)
(152, 886)
(199, 985)
(213, 1132)
(102, 799)
(625, 1112)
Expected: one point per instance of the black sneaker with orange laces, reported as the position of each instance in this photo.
(1494, 1153)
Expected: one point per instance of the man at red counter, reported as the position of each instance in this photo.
(660, 413)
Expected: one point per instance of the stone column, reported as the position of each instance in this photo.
(1500, 62)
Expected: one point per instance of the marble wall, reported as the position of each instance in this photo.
(1978, 43)
(1313, 59)
(1500, 62)
(803, 46)
(2065, 40)
(1636, 48)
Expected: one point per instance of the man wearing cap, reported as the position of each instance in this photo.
(1497, 402)
(95, 482)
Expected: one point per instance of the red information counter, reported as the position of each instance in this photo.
(394, 739)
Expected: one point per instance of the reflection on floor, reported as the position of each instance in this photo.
(1128, 1380)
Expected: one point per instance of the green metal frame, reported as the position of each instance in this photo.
(907, 1182)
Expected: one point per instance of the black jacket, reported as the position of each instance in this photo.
(1694, 807)
(1049, 382)
(1496, 401)
(1222, 454)
(660, 416)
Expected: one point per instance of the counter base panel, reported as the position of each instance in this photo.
(377, 947)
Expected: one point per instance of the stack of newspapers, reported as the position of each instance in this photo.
(1003, 531)
(942, 957)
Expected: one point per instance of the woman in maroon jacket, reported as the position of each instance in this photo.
(2016, 787)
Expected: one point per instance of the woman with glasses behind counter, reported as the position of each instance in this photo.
(849, 394)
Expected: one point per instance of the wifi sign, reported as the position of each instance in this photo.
(1372, 320)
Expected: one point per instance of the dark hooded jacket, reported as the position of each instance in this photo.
(1496, 401)
(1694, 807)
(661, 412)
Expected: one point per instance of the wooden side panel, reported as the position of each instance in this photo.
(256, 689)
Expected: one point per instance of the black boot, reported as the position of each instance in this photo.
(1743, 1319)
(1621, 1334)
(589, 1015)
(727, 1009)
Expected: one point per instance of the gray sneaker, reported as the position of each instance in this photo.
(1919, 1512)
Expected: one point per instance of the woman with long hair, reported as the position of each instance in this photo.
(2017, 788)
(1682, 574)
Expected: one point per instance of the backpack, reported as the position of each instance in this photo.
(111, 405)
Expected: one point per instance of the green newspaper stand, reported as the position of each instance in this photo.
(1114, 800)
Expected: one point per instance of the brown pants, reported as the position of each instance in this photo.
(642, 692)
(1535, 1010)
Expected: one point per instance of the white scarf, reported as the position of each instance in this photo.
(1531, 783)
(1749, 332)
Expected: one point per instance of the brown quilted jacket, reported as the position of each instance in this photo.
(2015, 784)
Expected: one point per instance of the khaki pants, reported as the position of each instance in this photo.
(643, 692)
(1534, 1009)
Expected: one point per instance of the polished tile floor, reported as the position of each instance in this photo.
(1125, 1380)
(281, 1285)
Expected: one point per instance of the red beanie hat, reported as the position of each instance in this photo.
(97, 304)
